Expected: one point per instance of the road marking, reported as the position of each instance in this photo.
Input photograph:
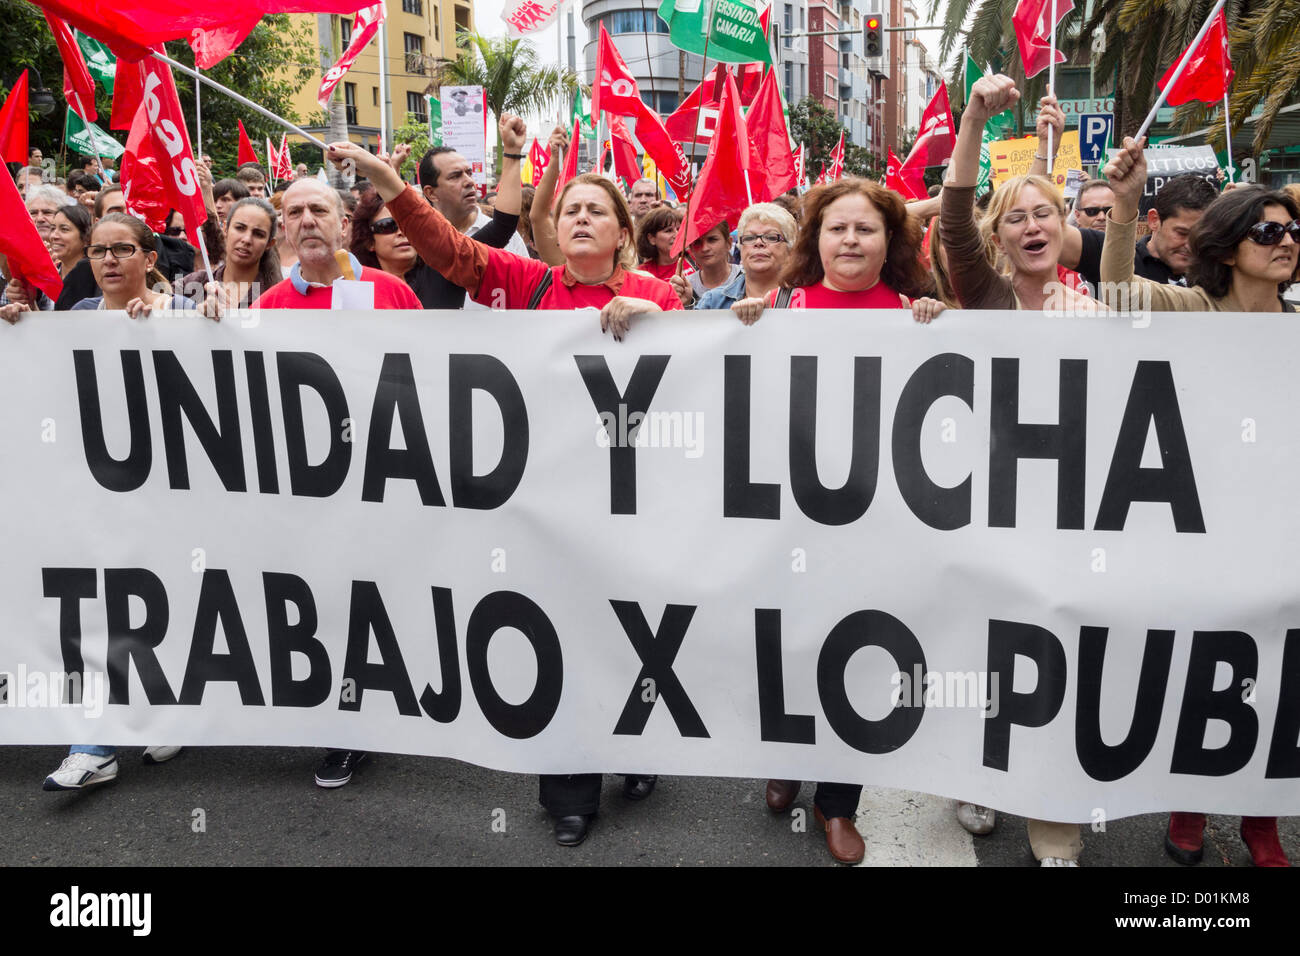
(912, 829)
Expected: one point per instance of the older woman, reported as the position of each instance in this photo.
(766, 233)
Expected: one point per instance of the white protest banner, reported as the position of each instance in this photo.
(464, 126)
(813, 548)
(523, 17)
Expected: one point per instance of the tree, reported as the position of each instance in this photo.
(416, 132)
(819, 130)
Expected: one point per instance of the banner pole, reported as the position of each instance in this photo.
(260, 110)
(1051, 82)
(1182, 65)
(695, 137)
(1227, 134)
(198, 115)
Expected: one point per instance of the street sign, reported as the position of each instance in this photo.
(1094, 136)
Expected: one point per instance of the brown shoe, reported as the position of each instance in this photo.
(780, 794)
(842, 838)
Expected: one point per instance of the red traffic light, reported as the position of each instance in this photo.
(873, 23)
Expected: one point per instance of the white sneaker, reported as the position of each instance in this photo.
(160, 754)
(976, 819)
(1057, 861)
(82, 770)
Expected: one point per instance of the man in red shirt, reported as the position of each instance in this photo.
(313, 224)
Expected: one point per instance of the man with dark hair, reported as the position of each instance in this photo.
(82, 185)
(1165, 254)
(109, 199)
(359, 189)
(225, 193)
(253, 178)
(1091, 205)
(447, 180)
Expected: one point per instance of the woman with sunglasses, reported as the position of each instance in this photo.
(123, 255)
(1244, 256)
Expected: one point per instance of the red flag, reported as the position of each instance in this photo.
(663, 149)
(246, 153)
(837, 161)
(771, 139)
(128, 91)
(903, 181)
(1033, 32)
(821, 177)
(272, 161)
(706, 97)
(13, 124)
(363, 30)
(283, 162)
(720, 192)
(142, 185)
(171, 144)
(615, 90)
(626, 164)
(570, 167)
(212, 45)
(131, 27)
(78, 87)
(1208, 73)
(29, 260)
(935, 141)
(538, 158)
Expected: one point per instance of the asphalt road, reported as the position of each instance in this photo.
(259, 806)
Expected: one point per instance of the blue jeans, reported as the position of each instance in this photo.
(92, 749)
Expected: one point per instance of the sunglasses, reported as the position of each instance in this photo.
(1093, 210)
(1271, 233)
(175, 231)
(384, 227)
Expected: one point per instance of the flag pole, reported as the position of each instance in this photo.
(198, 117)
(1182, 65)
(695, 136)
(261, 110)
(1227, 134)
(99, 160)
(1051, 82)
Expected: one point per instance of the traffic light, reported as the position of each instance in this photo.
(873, 32)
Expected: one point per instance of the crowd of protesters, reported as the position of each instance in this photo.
(849, 244)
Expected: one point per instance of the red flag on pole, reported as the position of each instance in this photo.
(283, 163)
(700, 108)
(614, 91)
(1034, 32)
(29, 260)
(78, 87)
(214, 44)
(666, 152)
(246, 152)
(142, 185)
(837, 161)
(128, 91)
(935, 141)
(171, 143)
(363, 31)
(771, 139)
(720, 192)
(13, 123)
(570, 167)
(899, 182)
(1208, 73)
(538, 158)
(626, 165)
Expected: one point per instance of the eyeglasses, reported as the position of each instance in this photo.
(175, 231)
(120, 250)
(767, 238)
(1018, 218)
(1270, 233)
(1093, 210)
(384, 227)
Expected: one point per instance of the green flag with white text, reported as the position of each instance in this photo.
(1002, 126)
(735, 34)
(88, 139)
(99, 60)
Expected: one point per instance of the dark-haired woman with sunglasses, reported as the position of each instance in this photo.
(1244, 254)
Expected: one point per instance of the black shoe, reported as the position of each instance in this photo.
(638, 786)
(336, 769)
(570, 831)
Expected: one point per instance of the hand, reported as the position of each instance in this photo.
(990, 96)
(924, 309)
(683, 289)
(616, 316)
(1050, 117)
(205, 186)
(11, 311)
(350, 156)
(138, 308)
(748, 310)
(513, 133)
(16, 293)
(87, 199)
(217, 301)
(1127, 175)
(559, 139)
(401, 153)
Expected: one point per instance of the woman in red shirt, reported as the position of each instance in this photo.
(593, 227)
(654, 242)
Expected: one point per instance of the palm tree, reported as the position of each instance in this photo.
(511, 73)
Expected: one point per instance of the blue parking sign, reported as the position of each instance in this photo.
(1094, 137)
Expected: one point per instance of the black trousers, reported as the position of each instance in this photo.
(569, 795)
(837, 799)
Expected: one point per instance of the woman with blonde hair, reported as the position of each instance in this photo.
(766, 233)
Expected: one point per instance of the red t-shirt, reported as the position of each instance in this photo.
(658, 271)
(817, 296)
(390, 293)
(509, 281)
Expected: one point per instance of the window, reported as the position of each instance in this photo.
(413, 6)
(633, 21)
(787, 23)
(414, 52)
(667, 101)
(832, 86)
(415, 105)
(345, 30)
(350, 102)
(374, 96)
(844, 60)
(437, 19)
(789, 82)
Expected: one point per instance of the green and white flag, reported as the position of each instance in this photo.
(435, 120)
(735, 34)
(998, 127)
(88, 139)
(99, 60)
(581, 109)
